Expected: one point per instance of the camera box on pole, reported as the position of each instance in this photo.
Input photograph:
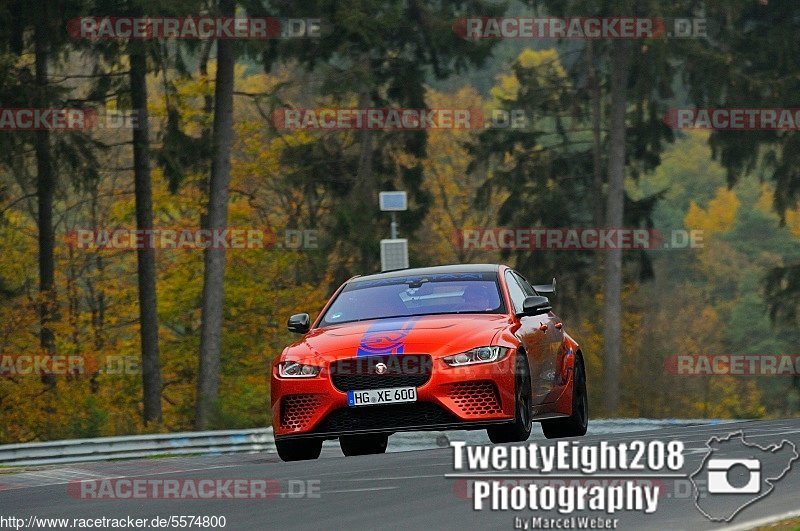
(394, 254)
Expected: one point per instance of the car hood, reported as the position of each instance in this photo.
(437, 335)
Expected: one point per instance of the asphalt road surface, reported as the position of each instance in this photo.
(402, 490)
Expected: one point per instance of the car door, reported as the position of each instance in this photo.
(552, 335)
(532, 334)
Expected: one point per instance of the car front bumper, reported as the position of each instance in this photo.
(468, 397)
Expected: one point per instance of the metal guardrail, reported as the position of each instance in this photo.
(136, 446)
(257, 440)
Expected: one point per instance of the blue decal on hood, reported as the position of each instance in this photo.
(385, 337)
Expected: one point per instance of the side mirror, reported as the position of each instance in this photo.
(299, 323)
(535, 305)
(546, 288)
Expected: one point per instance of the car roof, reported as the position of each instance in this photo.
(422, 271)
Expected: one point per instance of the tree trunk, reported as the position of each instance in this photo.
(596, 114)
(45, 183)
(612, 328)
(213, 277)
(363, 191)
(146, 261)
(208, 102)
(363, 195)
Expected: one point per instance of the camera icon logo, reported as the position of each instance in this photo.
(719, 476)
(741, 472)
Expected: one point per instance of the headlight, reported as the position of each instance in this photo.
(293, 369)
(476, 355)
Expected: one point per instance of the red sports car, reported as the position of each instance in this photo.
(448, 347)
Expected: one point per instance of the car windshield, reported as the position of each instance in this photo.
(412, 296)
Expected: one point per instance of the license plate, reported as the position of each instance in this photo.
(374, 397)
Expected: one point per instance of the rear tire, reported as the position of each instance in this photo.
(575, 425)
(520, 430)
(298, 449)
(364, 444)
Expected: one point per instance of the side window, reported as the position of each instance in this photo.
(526, 287)
(515, 291)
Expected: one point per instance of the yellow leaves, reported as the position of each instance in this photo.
(793, 222)
(718, 218)
(506, 89)
(733, 398)
(543, 68)
(97, 290)
(717, 258)
(445, 149)
(709, 316)
(765, 198)
(256, 83)
(546, 60)
(698, 333)
(451, 184)
(188, 99)
(405, 159)
(765, 204)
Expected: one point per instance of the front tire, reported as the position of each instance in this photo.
(298, 449)
(520, 430)
(363, 444)
(575, 425)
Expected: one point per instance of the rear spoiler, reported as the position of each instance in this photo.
(546, 288)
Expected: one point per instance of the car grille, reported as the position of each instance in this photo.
(476, 398)
(298, 410)
(358, 374)
(388, 417)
